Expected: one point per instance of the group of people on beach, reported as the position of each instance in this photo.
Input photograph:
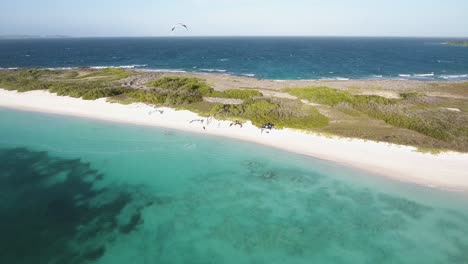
(156, 111)
(268, 126)
(236, 123)
(202, 121)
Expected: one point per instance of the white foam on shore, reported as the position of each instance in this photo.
(433, 76)
(417, 76)
(424, 75)
(447, 170)
(61, 68)
(248, 74)
(163, 70)
(212, 70)
(134, 66)
(334, 79)
(454, 76)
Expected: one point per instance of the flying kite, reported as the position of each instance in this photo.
(179, 25)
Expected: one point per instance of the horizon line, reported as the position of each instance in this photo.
(219, 36)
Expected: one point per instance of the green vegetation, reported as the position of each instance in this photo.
(409, 95)
(322, 95)
(281, 112)
(178, 92)
(121, 99)
(61, 83)
(203, 108)
(243, 94)
(392, 112)
(183, 85)
(25, 80)
(403, 120)
(188, 93)
(463, 43)
(161, 97)
(108, 74)
(198, 87)
(173, 91)
(433, 151)
(89, 90)
(414, 119)
(332, 97)
(459, 89)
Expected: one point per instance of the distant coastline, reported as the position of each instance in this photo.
(33, 37)
(463, 43)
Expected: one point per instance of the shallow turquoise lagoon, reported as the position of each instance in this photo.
(81, 191)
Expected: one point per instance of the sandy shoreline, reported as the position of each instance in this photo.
(446, 170)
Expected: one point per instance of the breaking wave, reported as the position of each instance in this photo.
(334, 79)
(212, 70)
(248, 74)
(424, 75)
(134, 66)
(165, 70)
(454, 76)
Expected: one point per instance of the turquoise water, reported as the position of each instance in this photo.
(81, 191)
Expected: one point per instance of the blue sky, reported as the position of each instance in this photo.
(235, 17)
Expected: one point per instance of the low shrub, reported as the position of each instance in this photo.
(89, 90)
(243, 94)
(281, 112)
(150, 96)
(191, 85)
(322, 95)
(108, 74)
(332, 97)
(161, 97)
(409, 95)
(374, 106)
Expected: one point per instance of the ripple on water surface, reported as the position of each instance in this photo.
(189, 199)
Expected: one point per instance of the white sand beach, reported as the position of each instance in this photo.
(446, 170)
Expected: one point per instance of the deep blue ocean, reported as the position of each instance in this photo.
(265, 57)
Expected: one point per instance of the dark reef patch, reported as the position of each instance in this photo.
(95, 253)
(46, 205)
(134, 221)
